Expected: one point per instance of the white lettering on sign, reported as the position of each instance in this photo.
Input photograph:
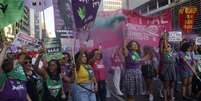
(84, 1)
(198, 41)
(95, 4)
(175, 36)
(18, 87)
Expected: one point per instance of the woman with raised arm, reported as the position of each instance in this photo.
(167, 72)
(85, 82)
(149, 71)
(117, 65)
(12, 79)
(133, 80)
(51, 73)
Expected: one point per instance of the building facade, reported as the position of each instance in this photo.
(111, 5)
(155, 7)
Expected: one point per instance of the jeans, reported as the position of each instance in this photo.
(101, 94)
(82, 94)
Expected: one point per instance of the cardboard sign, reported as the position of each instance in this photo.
(23, 39)
(175, 36)
(198, 41)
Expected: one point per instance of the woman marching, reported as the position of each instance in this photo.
(187, 62)
(100, 73)
(85, 85)
(12, 79)
(53, 90)
(117, 65)
(133, 80)
(167, 72)
(149, 71)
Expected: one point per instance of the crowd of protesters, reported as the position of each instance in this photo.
(84, 79)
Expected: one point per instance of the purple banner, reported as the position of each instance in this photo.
(84, 12)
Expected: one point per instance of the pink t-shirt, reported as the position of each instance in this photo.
(99, 70)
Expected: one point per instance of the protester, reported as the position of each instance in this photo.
(149, 71)
(167, 68)
(85, 85)
(12, 79)
(186, 61)
(117, 65)
(33, 79)
(196, 83)
(133, 80)
(53, 87)
(67, 70)
(100, 73)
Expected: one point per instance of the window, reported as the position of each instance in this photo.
(162, 3)
(152, 5)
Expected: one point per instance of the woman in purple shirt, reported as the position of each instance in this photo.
(186, 62)
(12, 79)
(133, 79)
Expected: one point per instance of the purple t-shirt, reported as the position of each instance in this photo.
(182, 65)
(66, 69)
(131, 63)
(14, 90)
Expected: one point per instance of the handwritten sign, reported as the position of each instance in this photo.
(198, 41)
(175, 36)
(23, 39)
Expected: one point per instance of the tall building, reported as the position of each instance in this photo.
(111, 5)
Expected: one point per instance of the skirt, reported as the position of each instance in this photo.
(132, 82)
(148, 71)
(168, 73)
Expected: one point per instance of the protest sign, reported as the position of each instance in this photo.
(57, 56)
(23, 39)
(198, 41)
(175, 36)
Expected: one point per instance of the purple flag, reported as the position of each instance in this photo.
(84, 12)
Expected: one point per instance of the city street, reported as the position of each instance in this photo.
(97, 50)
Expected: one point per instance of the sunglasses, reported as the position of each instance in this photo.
(27, 62)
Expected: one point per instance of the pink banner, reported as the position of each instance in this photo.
(147, 30)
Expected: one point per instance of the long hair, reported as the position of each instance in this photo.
(8, 63)
(69, 56)
(78, 56)
(185, 46)
(92, 54)
(149, 50)
(130, 44)
(58, 67)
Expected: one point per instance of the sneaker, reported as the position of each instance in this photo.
(144, 93)
(151, 97)
(161, 94)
